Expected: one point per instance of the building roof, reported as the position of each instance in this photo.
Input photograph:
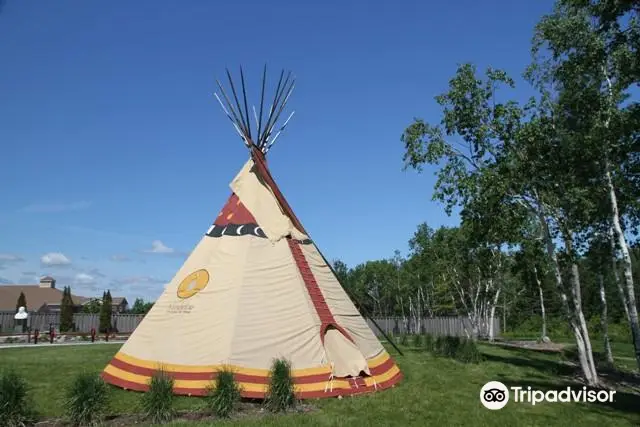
(118, 300)
(36, 296)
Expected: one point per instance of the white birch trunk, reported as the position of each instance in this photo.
(493, 315)
(586, 365)
(542, 310)
(616, 276)
(626, 264)
(604, 322)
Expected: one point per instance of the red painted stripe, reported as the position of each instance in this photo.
(260, 395)
(317, 298)
(241, 214)
(207, 376)
(255, 379)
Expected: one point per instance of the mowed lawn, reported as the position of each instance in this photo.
(435, 391)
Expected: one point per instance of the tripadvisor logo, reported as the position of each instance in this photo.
(495, 395)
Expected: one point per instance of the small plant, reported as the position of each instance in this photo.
(404, 339)
(15, 409)
(468, 352)
(87, 400)
(439, 346)
(417, 340)
(428, 342)
(280, 394)
(446, 346)
(224, 394)
(157, 402)
(453, 344)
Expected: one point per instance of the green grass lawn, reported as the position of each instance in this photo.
(435, 391)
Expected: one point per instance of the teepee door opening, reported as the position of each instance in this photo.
(345, 358)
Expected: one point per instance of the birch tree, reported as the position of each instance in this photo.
(588, 55)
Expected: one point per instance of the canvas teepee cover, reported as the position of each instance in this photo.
(255, 288)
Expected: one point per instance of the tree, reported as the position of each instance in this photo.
(586, 54)
(66, 311)
(141, 307)
(105, 312)
(503, 165)
(22, 302)
(92, 307)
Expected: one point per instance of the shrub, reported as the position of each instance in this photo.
(468, 352)
(417, 340)
(87, 400)
(15, 405)
(428, 342)
(446, 346)
(280, 394)
(224, 394)
(453, 344)
(157, 402)
(440, 346)
(404, 339)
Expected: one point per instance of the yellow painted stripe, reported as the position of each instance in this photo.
(251, 387)
(171, 367)
(201, 384)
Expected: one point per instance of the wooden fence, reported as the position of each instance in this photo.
(126, 323)
(447, 326)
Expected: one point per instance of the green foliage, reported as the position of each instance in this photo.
(224, 394)
(404, 339)
(22, 302)
(464, 350)
(443, 346)
(157, 402)
(418, 340)
(468, 352)
(280, 394)
(92, 307)
(15, 405)
(140, 307)
(87, 400)
(105, 312)
(429, 342)
(66, 311)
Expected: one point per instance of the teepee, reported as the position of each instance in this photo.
(255, 288)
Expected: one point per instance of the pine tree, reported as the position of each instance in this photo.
(105, 312)
(66, 311)
(22, 302)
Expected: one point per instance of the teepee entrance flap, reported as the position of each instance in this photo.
(343, 355)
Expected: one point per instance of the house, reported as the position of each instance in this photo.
(46, 298)
(118, 304)
(42, 298)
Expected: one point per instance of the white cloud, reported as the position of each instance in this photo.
(139, 280)
(120, 258)
(6, 259)
(4, 281)
(97, 273)
(157, 247)
(84, 279)
(56, 207)
(55, 259)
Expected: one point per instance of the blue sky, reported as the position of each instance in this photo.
(117, 158)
